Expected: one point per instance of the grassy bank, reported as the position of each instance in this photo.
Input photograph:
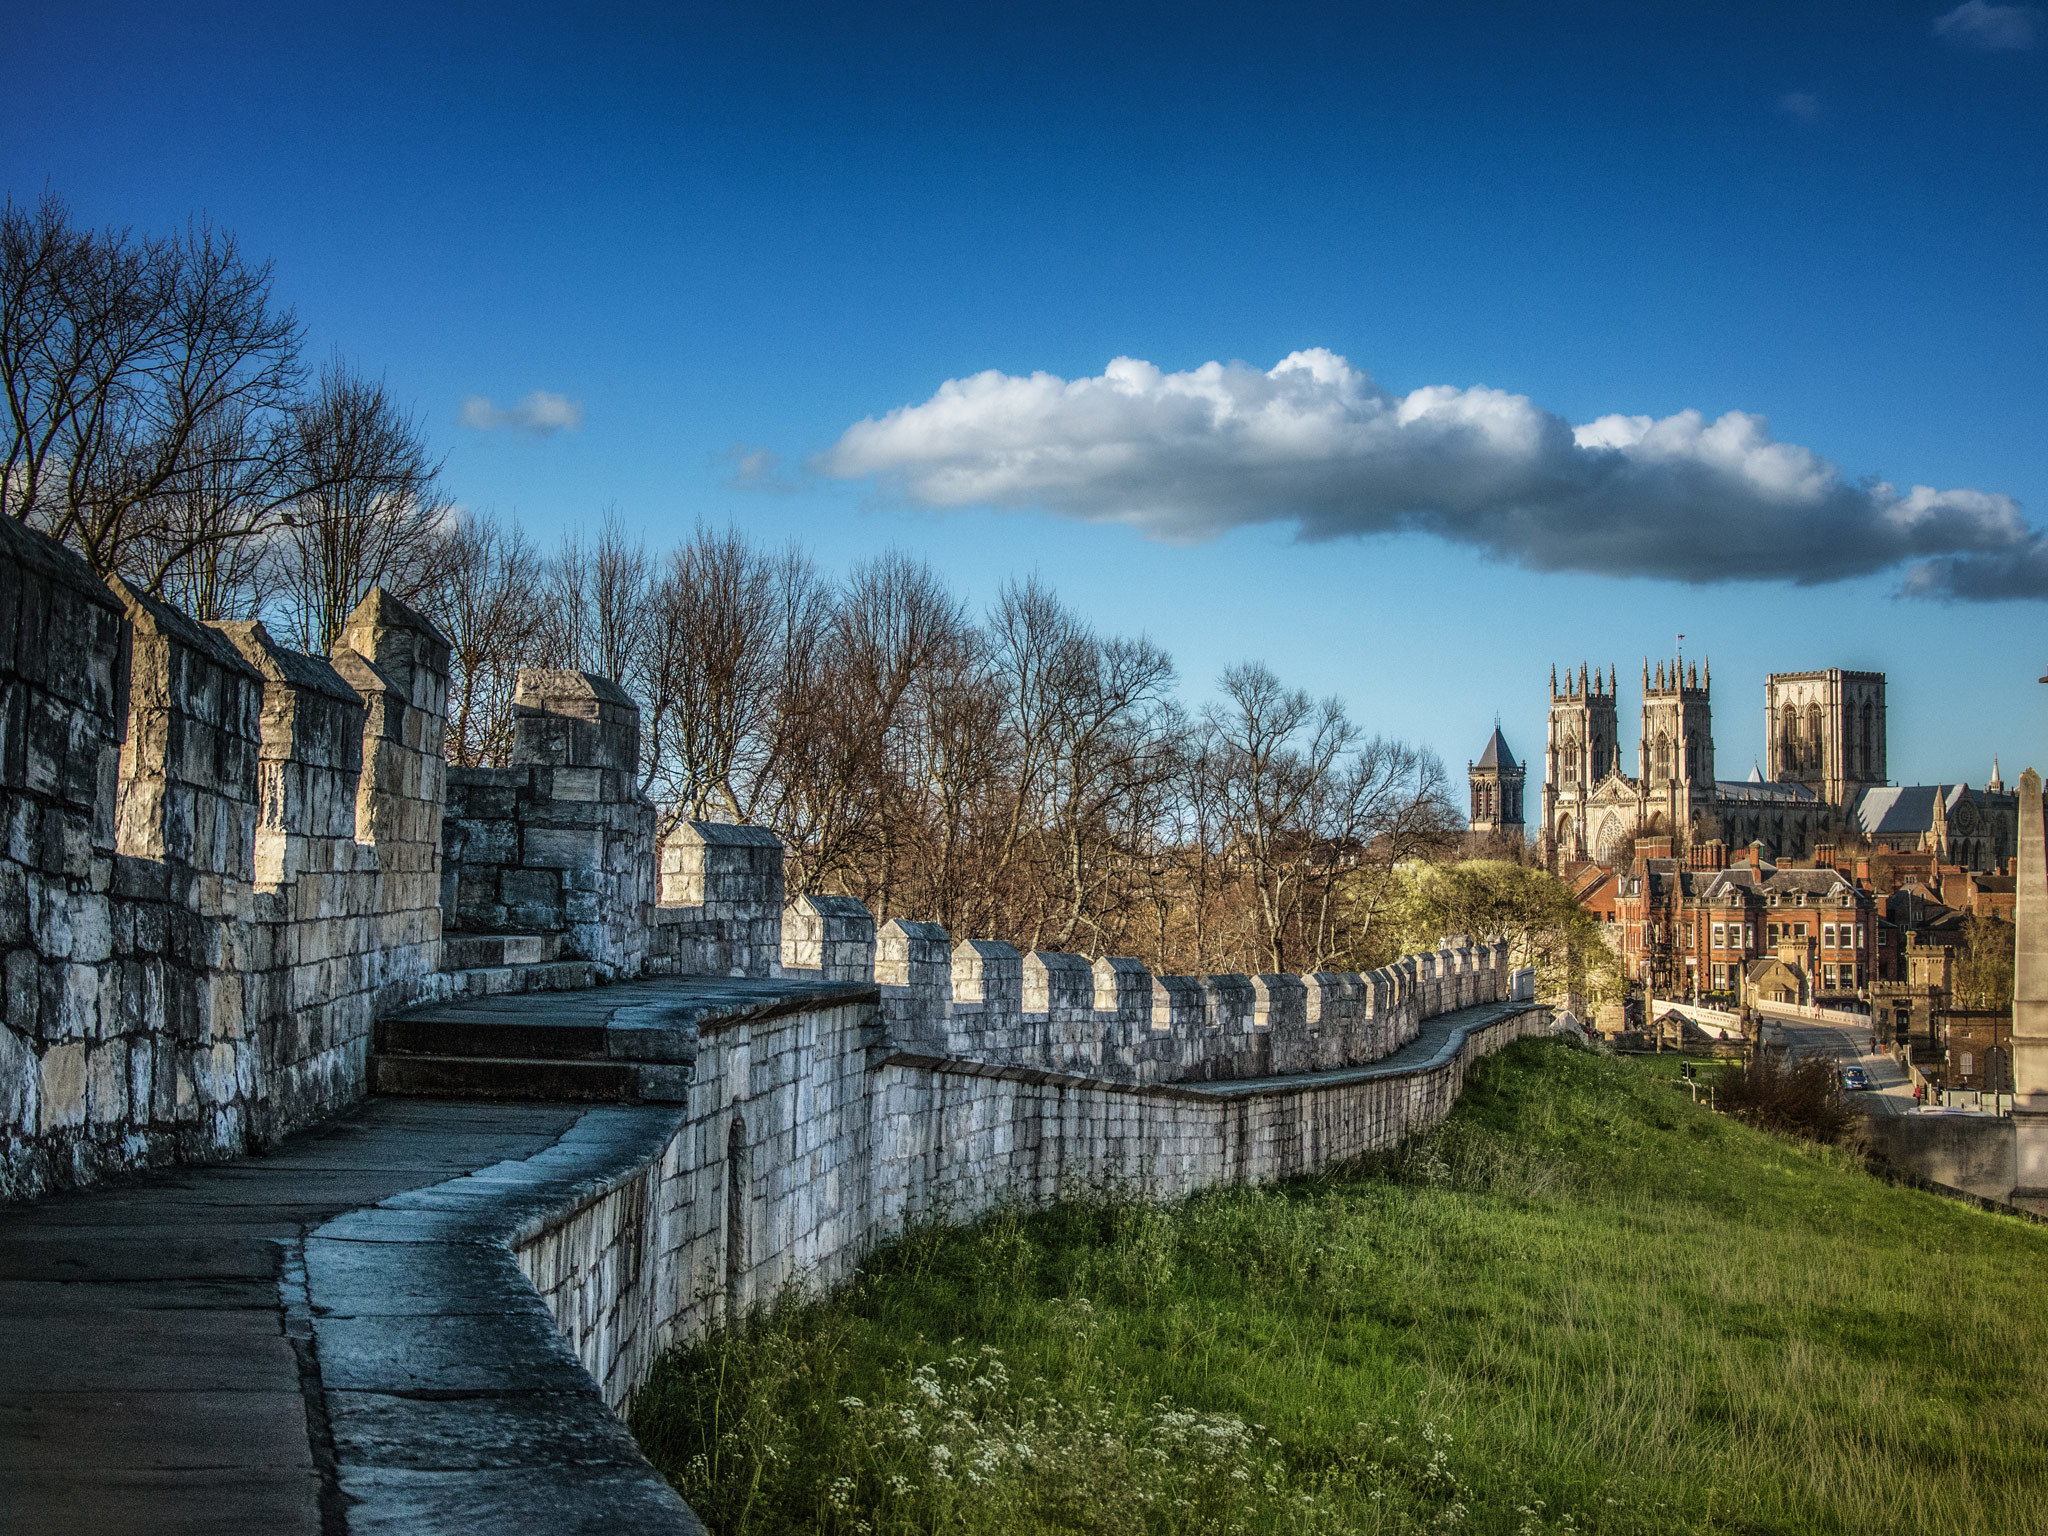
(1582, 1305)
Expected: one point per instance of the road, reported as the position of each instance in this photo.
(1889, 1092)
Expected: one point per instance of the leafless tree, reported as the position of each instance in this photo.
(371, 512)
(486, 597)
(144, 379)
(1306, 800)
(599, 605)
(714, 654)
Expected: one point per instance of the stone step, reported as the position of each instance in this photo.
(490, 951)
(552, 976)
(548, 1080)
(465, 1034)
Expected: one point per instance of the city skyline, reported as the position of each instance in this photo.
(1423, 349)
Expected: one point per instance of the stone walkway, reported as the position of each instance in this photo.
(331, 1339)
(1437, 1039)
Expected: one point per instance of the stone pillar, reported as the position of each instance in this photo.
(988, 1001)
(587, 820)
(187, 839)
(721, 900)
(398, 663)
(60, 732)
(1059, 1011)
(1123, 1013)
(2030, 1005)
(311, 760)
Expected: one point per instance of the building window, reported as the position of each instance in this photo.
(1828, 977)
(1968, 1059)
(1720, 977)
(1827, 935)
(1749, 936)
(1720, 936)
(1859, 935)
(1849, 977)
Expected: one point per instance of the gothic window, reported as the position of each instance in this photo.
(1662, 758)
(1814, 732)
(1788, 739)
(1867, 736)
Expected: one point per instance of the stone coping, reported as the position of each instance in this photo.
(1440, 1040)
(333, 1338)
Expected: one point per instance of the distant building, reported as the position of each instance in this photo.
(1593, 810)
(1826, 730)
(1826, 752)
(1973, 829)
(1696, 929)
(1496, 786)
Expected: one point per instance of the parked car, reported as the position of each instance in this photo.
(1853, 1078)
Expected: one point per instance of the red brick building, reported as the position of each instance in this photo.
(1693, 932)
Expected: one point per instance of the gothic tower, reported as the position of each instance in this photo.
(1675, 758)
(1496, 785)
(1581, 746)
(1826, 730)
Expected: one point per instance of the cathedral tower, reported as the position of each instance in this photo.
(1581, 747)
(1496, 784)
(1826, 730)
(1675, 757)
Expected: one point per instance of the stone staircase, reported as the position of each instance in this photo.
(629, 1042)
(485, 1057)
(612, 1046)
(498, 964)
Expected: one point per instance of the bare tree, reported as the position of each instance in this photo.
(1305, 801)
(371, 512)
(599, 605)
(486, 596)
(142, 379)
(714, 650)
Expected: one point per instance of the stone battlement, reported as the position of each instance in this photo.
(223, 860)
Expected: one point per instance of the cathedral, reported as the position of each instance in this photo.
(1593, 810)
(1826, 781)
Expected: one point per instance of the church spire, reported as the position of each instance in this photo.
(1997, 785)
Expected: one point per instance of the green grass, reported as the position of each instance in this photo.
(1581, 1305)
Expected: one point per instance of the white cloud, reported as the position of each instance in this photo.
(1996, 28)
(1800, 104)
(1315, 442)
(541, 413)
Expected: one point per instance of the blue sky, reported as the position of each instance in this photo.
(723, 230)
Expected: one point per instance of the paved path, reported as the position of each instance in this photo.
(1890, 1092)
(331, 1339)
(1437, 1039)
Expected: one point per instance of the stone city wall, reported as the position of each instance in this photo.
(808, 1138)
(225, 859)
(219, 860)
(983, 1000)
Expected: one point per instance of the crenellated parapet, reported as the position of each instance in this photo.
(223, 861)
(982, 1000)
(219, 862)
